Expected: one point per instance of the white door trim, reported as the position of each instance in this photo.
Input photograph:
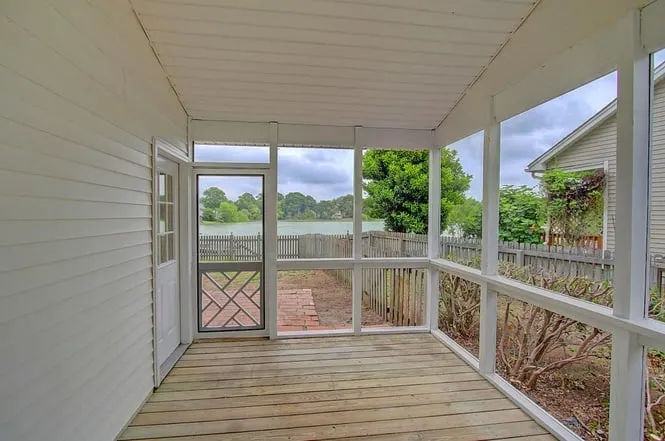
(166, 150)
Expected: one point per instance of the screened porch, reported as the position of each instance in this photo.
(137, 303)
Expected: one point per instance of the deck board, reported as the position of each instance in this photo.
(393, 387)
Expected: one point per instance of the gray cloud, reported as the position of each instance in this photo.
(216, 153)
(321, 173)
(526, 136)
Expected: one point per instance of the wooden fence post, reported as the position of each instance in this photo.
(519, 257)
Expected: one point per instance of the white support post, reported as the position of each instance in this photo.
(357, 230)
(270, 235)
(188, 255)
(490, 242)
(433, 235)
(634, 89)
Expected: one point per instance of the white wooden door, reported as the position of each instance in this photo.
(168, 284)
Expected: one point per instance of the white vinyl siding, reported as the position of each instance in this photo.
(657, 234)
(600, 145)
(82, 97)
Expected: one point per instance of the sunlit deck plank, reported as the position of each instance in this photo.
(375, 388)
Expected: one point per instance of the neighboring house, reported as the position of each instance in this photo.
(593, 145)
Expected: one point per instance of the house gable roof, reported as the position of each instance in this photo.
(539, 164)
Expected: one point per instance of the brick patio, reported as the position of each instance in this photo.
(296, 311)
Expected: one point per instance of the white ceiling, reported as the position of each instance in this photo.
(376, 63)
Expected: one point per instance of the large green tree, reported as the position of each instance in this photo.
(212, 197)
(248, 204)
(344, 205)
(465, 219)
(228, 213)
(397, 185)
(326, 209)
(296, 203)
(208, 215)
(521, 214)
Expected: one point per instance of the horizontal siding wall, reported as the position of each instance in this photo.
(600, 145)
(82, 97)
(657, 234)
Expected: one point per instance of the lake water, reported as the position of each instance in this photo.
(286, 227)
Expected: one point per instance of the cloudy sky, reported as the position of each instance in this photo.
(327, 173)
(321, 173)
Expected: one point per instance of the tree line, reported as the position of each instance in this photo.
(217, 207)
(396, 189)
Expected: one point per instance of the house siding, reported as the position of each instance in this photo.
(600, 145)
(82, 97)
(657, 234)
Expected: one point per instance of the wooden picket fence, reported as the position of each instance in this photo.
(395, 294)
(556, 259)
(398, 294)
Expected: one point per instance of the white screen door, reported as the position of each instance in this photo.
(168, 284)
(230, 252)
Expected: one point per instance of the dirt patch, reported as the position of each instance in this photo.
(578, 395)
(332, 297)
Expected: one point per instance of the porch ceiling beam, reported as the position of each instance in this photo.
(239, 132)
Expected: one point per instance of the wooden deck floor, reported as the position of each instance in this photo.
(392, 387)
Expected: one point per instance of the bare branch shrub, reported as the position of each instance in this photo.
(528, 333)
(459, 306)
(655, 399)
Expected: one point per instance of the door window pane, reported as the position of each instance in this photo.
(162, 218)
(162, 252)
(162, 186)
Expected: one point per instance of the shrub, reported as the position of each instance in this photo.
(459, 306)
(528, 333)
